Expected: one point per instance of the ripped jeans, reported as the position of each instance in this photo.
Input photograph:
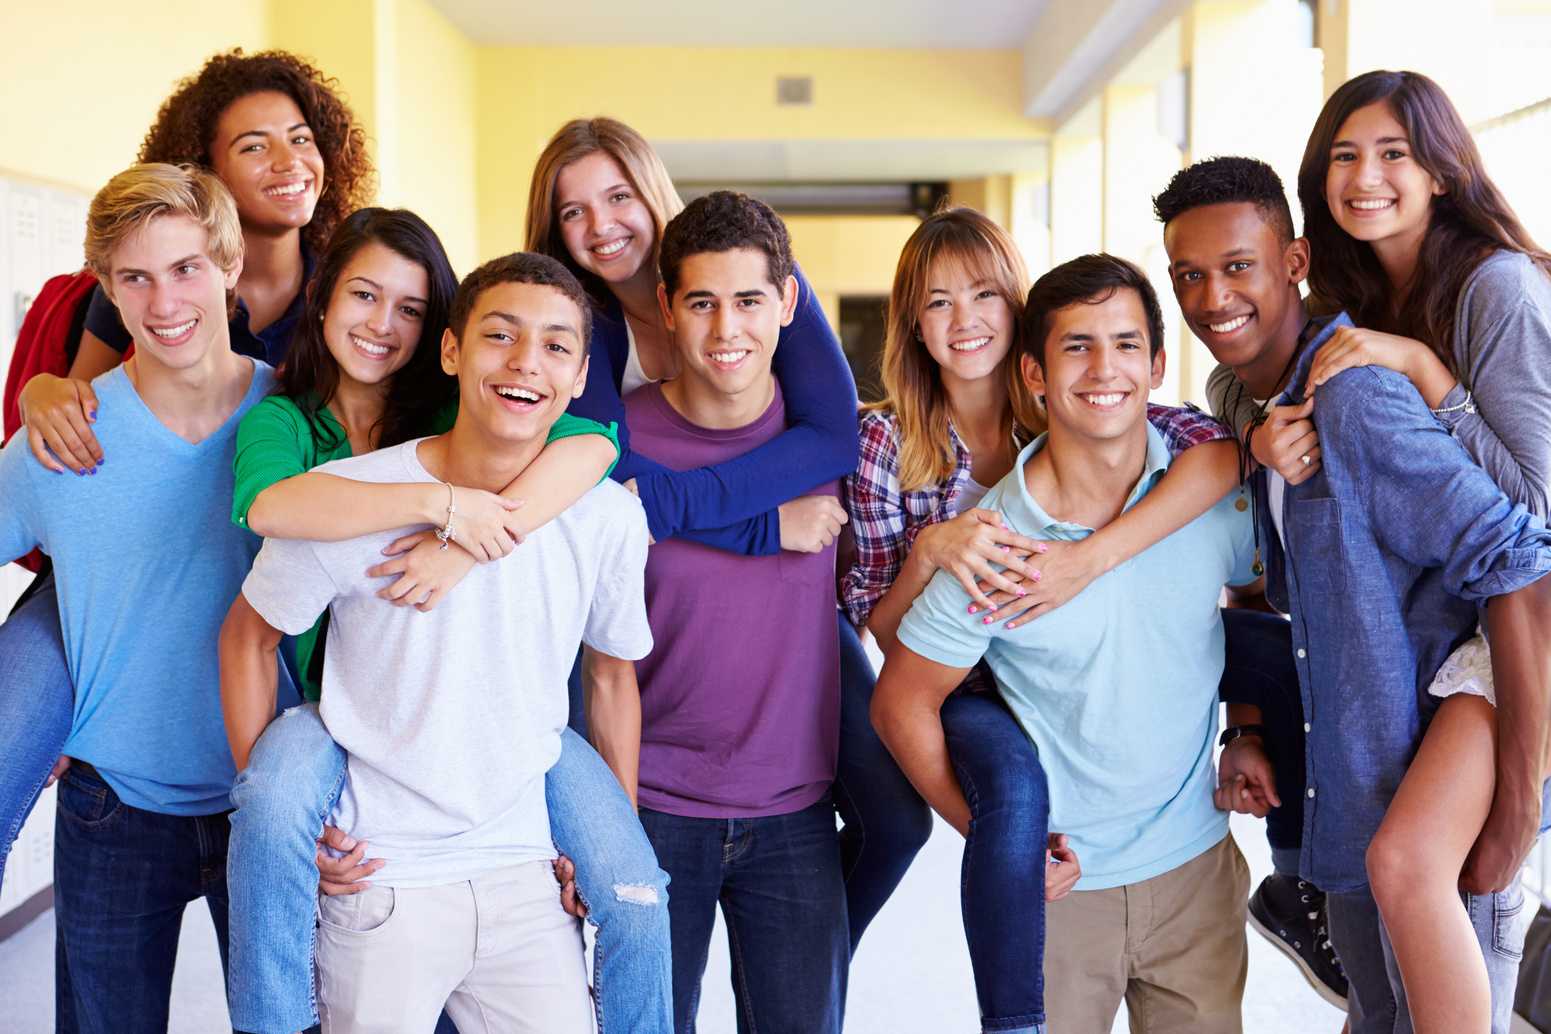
(287, 791)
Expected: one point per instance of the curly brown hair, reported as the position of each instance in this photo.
(184, 129)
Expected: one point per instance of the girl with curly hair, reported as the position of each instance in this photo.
(291, 152)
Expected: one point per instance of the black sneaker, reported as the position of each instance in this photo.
(1290, 913)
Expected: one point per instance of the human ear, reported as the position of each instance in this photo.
(1297, 256)
(449, 352)
(1158, 364)
(581, 380)
(1033, 374)
(667, 306)
(788, 301)
(233, 274)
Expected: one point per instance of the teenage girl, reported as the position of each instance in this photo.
(294, 158)
(598, 202)
(363, 372)
(1411, 238)
(955, 415)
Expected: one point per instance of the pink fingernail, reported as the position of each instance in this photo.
(971, 608)
(1022, 593)
(1044, 548)
(987, 619)
(1006, 549)
(1036, 576)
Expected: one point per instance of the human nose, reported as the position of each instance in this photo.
(523, 357)
(724, 323)
(165, 300)
(1218, 296)
(283, 155)
(380, 319)
(1368, 171)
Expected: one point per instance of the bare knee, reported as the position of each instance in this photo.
(1396, 869)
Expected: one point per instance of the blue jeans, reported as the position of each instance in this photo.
(287, 791)
(778, 881)
(1002, 882)
(886, 821)
(37, 705)
(122, 878)
(1376, 1001)
(1259, 669)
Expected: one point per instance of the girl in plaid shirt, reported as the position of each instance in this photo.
(956, 414)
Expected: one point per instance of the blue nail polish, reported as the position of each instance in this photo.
(80, 473)
(102, 462)
(94, 414)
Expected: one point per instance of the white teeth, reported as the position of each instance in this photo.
(730, 357)
(971, 345)
(1105, 400)
(369, 348)
(520, 394)
(1234, 324)
(609, 249)
(1370, 206)
(171, 332)
(287, 190)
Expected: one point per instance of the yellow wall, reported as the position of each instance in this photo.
(74, 113)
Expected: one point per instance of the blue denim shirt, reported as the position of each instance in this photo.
(1389, 548)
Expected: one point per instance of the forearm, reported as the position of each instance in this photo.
(325, 508)
(1243, 714)
(94, 358)
(611, 700)
(566, 470)
(249, 674)
(1521, 673)
(905, 711)
(1195, 482)
(891, 609)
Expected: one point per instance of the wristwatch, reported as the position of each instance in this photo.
(1233, 732)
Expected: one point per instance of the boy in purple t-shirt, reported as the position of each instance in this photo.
(740, 697)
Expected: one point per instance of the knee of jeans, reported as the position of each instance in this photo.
(1015, 788)
(628, 903)
(293, 783)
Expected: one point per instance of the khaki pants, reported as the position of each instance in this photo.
(498, 951)
(1173, 947)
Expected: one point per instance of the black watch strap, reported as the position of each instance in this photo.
(1233, 732)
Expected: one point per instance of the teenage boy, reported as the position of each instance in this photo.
(145, 562)
(1380, 545)
(450, 719)
(1118, 689)
(740, 698)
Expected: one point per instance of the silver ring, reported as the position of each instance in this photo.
(1306, 460)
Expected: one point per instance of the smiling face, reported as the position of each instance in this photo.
(266, 155)
(1235, 279)
(520, 362)
(966, 324)
(1097, 371)
(377, 314)
(1376, 189)
(606, 226)
(170, 294)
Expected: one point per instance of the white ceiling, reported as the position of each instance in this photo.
(820, 161)
(931, 24)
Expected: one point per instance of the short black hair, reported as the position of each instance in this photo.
(1086, 280)
(1224, 181)
(725, 220)
(520, 267)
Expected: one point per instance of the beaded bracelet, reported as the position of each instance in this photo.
(446, 534)
(1468, 406)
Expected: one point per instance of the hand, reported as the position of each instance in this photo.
(1246, 782)
(1064, 571)
(58, 412)
(966, 547)
(565, 873)
(1283, 441)
(811, 523)
(427, 572)
(1061, 869)
(1505, 841)
(345, 875)
(1357, 346)
(485, 524)
(59, 770)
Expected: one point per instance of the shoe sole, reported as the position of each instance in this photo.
(1319, 986)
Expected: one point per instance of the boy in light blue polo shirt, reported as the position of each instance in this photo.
(1118, 689)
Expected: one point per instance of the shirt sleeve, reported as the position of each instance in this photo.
(1230, 401)
(288, 585)
(616, 621)
(940, 628)
(102, 320)
(873, 499)
(1185, 426)
(19, 517)
(568, 426)
(819, 446)
(1507, 338)
(274, 442)
(1377, 435)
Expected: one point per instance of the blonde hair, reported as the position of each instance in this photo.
(577, 139)
(142, 193)
(912, 386)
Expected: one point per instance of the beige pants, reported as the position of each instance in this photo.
(498, 951)
(1172, 947)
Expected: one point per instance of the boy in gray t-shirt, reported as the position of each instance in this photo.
(451, 718)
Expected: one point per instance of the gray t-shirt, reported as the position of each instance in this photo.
(451, 718)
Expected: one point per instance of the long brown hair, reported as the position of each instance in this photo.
(912, 382)
(577, 139)
(1469, 220)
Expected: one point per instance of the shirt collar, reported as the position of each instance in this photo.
(1293, 395)
(1033, 518)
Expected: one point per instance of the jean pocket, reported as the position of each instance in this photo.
(1314, 533)
(86, 801)
(364, 912)
(1507, 930)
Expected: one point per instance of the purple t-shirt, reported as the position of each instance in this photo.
(740, 696)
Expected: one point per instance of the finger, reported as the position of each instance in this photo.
(397, 565)
(428, 604)
(89, 451)
(41, 453)
(510, 504)
(402, 545)
(1013, 608)
(337, 839)
(61, 447)
(998, 580)
(400, 589)
(1035, 610)
(971, 586)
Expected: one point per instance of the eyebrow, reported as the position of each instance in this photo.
(944, 290)
(566, 203)
(753, 292)
(517, 321)
(1124, 335)
(184, 261)
(264, 133)
(374, 285)
(1381, 140)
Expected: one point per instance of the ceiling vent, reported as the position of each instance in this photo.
(795, 91)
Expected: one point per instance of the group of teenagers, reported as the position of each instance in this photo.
(420, 620)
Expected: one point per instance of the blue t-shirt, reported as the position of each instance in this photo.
(1117, 689)
(147, 563)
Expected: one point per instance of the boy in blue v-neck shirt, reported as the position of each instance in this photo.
(141, 827)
